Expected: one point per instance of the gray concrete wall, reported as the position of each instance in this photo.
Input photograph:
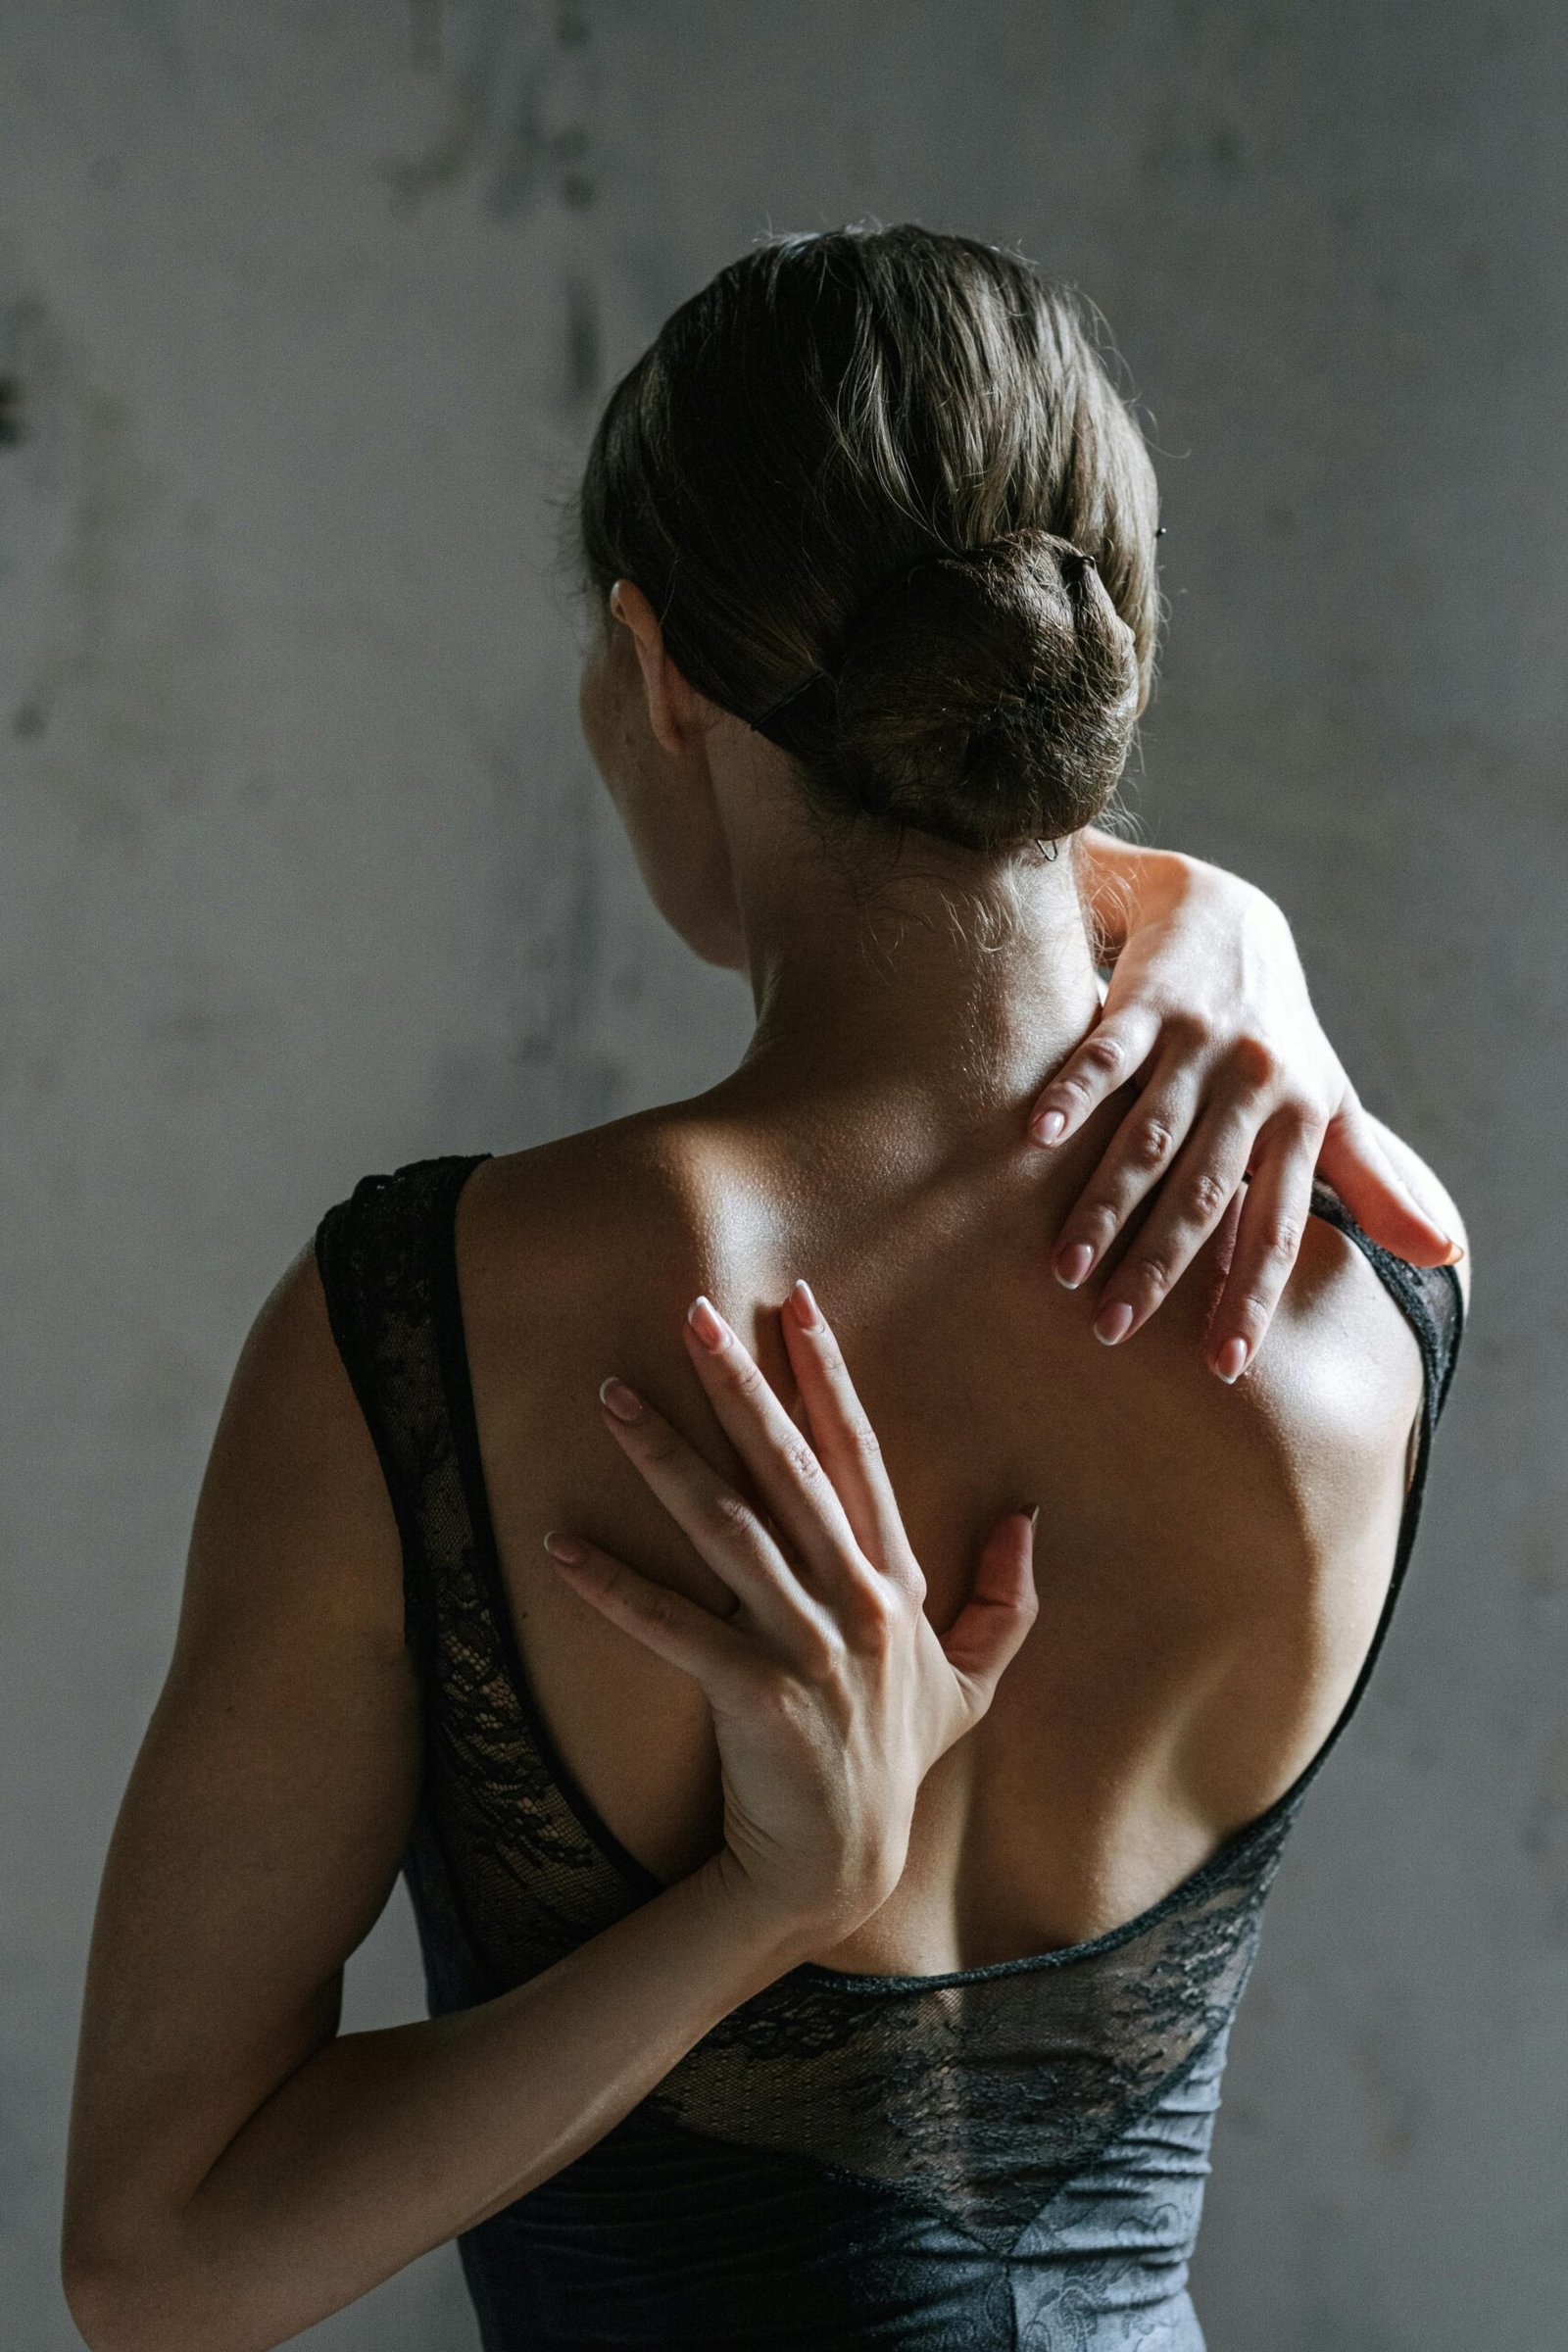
(306, 873)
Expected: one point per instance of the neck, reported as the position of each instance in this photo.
(933, 998)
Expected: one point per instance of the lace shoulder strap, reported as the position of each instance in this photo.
(1432, 1304)
(379, 1252)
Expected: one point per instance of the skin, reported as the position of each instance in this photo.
(870, 1732)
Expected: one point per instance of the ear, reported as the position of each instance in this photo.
(674, 708)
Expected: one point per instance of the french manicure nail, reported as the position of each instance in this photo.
(1113, 1322)
(708, 1325)
(564, 1547)
(1073, 1264)
(807, 1314)
(1048, 1126)
(1231, 1362)
(618, 1398)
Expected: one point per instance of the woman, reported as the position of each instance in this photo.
(832, 1923)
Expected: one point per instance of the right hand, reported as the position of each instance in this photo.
(1209, 1018)
(832, 1694)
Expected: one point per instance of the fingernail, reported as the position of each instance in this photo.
(1047, 1126)
(1034, 1516)
(1231, 1361)
(807, 1314)
(1073, 1264)
(564, 1547)
(618, 1398)
(1455, 1254)
(1114, 1323)
(708, 1325)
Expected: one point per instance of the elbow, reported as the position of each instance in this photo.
(124, 2304)
(99, 2300)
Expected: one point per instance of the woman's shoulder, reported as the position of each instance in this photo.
(616, 1189)
(591, 1190)
(602, 1237)
(1358, 1334)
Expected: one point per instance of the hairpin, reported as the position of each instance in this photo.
(760, 722)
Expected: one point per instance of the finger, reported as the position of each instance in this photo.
(989, 1629)
(1268, 1240)
(1119, 1045)
(795, 1489)
(1354, 1161)
(1139, 1153)
(846, 1444)
(663, 1620)
(721, 1523)
(1195, 1197)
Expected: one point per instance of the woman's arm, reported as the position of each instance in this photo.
(237, 2170)
(1209, 1012)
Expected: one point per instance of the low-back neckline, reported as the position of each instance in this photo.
(458, 1382)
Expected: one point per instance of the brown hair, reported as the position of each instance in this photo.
(892, 510)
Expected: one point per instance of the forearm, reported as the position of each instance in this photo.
(385, 2144)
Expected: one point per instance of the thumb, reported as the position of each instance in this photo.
(1354, 1161)
(988, 1630)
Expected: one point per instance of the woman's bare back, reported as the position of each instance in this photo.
(1211, 1561)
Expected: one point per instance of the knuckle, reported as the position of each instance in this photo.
(731, 1513)
(1187, 1033)
(660, 1606)
(862, 1438)
(774, 1693)
(1256, 1064)
(1207, 1196)
(1301, 1126)
(1074, 1089)
(801, 1462)
(819, 1654)
(1152, 1142)
(658, 1441)
(1282, 1239)
(740, 1373)
(875, 1619)
(1103, 1053)
(1154, 1276)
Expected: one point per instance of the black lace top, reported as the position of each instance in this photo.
(1002, 2157)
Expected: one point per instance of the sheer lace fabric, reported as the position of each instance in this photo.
(1008, 2156)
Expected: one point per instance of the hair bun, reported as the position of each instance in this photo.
(988, 697)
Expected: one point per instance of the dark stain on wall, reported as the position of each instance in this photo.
(116, 617)
(583, 344)
(519, 91)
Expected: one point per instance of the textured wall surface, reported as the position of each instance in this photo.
(305, 310)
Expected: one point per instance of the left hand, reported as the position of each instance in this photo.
(832, 1693)
(1208, 1011)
